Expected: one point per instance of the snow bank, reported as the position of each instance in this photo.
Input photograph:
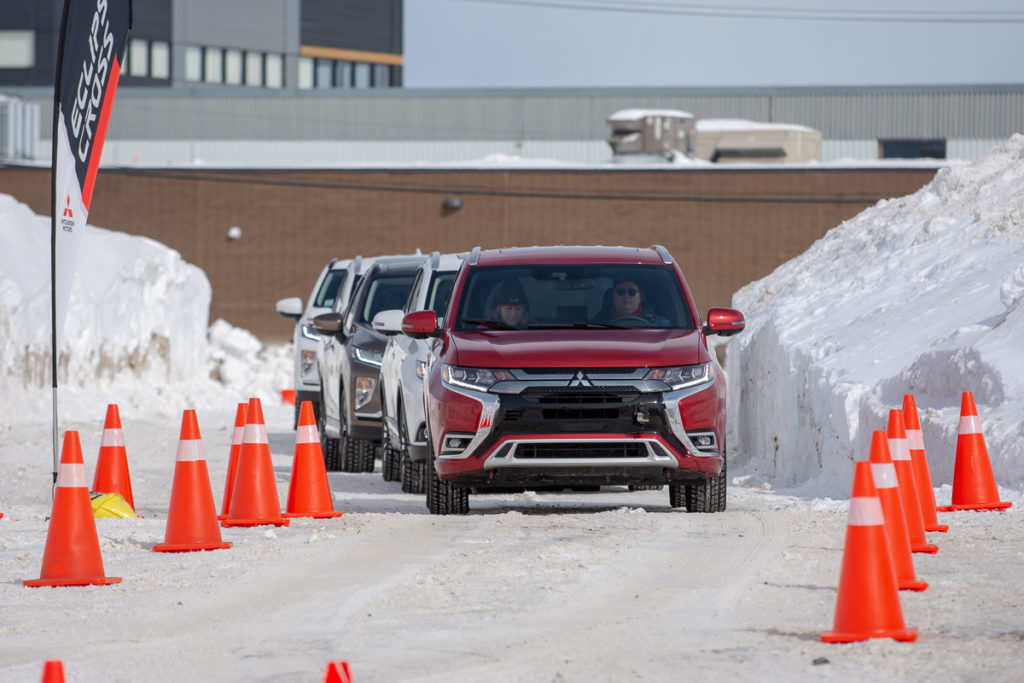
(918, 295)
(136, 324)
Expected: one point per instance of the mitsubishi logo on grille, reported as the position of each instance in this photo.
(580, 380)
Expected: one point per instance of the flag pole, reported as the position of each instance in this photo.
(53, 229)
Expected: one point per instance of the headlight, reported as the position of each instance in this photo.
(477, 379)
(308, 332)
(421, 368)
(682, 376)
(369, 356)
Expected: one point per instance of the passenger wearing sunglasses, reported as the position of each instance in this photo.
(627, 304)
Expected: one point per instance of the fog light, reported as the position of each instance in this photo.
(364, 390)
(308, 362)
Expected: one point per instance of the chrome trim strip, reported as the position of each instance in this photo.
(489, 405)
(656, 455)
(671, 401)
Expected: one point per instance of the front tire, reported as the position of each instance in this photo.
(328, 445)
(355, 455)
(442, 497)
(414, 474)
(705, 496)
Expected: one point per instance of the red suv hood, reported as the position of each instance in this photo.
(576, 348)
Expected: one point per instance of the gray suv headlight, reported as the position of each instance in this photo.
(682, 376)
(369, 356)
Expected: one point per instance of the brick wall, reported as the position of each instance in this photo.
(726, 227)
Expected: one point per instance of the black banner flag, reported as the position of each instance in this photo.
(93, 35)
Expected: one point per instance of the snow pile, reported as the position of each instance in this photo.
(136, 324)
(918, 295)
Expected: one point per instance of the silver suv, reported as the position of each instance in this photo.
(404, 446)
(335, 283)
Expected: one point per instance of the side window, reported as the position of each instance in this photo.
(410, 302)
(441, 292)
(329, 288)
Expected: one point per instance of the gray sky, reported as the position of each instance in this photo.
(617, 43)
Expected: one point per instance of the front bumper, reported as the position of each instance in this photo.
(624, 434)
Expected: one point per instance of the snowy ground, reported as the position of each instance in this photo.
(918, 294)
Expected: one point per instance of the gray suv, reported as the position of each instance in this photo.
(350, 356)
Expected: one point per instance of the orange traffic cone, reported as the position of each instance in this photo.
(236, 446)
(919, 460)
(254, 500)
(309, 493)
(900, 452)
(72, 554)
(868, 602)
(112, 465)
(338, 672)
(974, 485)
(884, 475)
(192, 516)
(53, 671)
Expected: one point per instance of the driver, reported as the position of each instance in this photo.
(627, 301)
(510, 308)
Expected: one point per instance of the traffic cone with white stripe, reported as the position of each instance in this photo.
(112, 465)
(72, 554)
(192, 516)
(900, 451)
(974, 485)
(919, 460)
(868, 602)
(254, 500)
(309, 492)
(236, 447)
(884, 475)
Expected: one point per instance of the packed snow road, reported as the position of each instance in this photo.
(614, 585)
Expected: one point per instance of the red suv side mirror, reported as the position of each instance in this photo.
(420, 325)
(724, 321)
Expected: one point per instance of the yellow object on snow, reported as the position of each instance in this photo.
(110, 505)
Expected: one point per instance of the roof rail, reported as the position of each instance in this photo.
(357, 263)
(662, 252)
(435, 259)
(474, 256)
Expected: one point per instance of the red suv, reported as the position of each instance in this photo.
(574, 367)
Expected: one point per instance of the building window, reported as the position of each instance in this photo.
(138, 57)
(193, 63)
(343, 74)
(159, 59)
(381, 76)
(233, 67)
(912, 149)
(274, 66)
(324, 74)
(17, 49)
(363, 75)
(213, 65)
(305, 73)
(254, 69)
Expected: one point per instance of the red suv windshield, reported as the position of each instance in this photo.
(572, 296)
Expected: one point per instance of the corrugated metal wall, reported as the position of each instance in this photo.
(968, 117)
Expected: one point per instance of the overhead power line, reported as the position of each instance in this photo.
(930, 16)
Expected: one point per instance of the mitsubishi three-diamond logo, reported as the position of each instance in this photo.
(580, 380)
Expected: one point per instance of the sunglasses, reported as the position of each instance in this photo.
(626, 291)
